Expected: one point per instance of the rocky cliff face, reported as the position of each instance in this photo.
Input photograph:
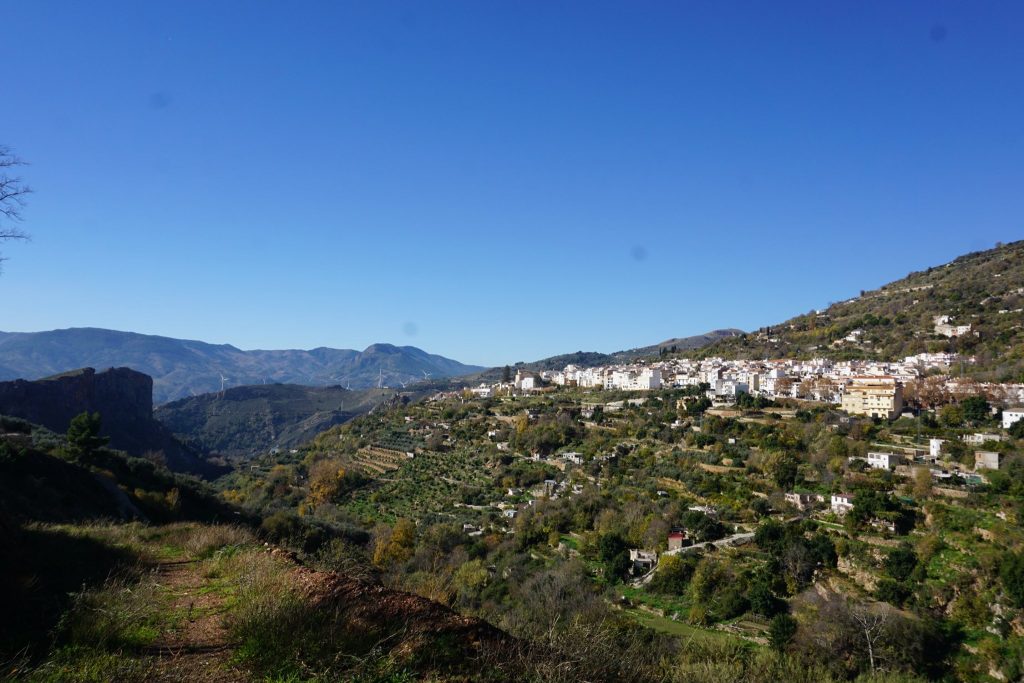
(124, 399)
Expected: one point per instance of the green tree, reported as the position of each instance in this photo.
(781, 630)
(613, 552)
(506, 374)
(782, 468)
(674, 574)
(975, 409)
(763, 600)
(698, 407)
(951, 416)
(1011, 572)
(84, 434)
(901, 562)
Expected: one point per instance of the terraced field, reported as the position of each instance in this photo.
(375, 462)
(426, 486)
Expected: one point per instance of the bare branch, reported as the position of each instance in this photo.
(13, 191)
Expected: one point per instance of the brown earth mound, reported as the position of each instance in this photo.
(419, 629)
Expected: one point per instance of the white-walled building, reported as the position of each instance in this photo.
(944, 326)
(1012, 416)
(483, 391)
(979, 438)
(633, 379)
(841, 503)
(884, 461)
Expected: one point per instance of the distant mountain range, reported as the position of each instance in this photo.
(244, 421)
(182, 368)
(590, 359)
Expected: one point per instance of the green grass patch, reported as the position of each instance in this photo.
(680, 628)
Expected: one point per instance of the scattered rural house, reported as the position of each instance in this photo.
(546, 489)
(944, 327)
(803, 501)
(527, 381)
(841, 503)
(987, 460)
(978, 438)
(884, 461)
(573, 457)
(483, 391)
(676, 540)
(935, 448)
(643, 561)
(884, 524)
(1012, 416)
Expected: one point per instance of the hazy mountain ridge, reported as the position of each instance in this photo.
(589, 359)
(697, 341)
(182, 368)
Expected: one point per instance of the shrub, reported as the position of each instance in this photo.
(781, 630)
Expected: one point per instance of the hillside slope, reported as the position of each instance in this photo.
(200, 602)
(983, 289)
(246, 420)
(182, 368)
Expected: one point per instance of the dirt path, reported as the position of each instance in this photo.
(197, 648)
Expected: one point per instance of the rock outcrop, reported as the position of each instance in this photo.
(124, 399)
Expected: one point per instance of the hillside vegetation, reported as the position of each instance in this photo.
(524, 512)
(984, 290)
(243, 421)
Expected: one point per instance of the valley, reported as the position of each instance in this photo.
(680, 516)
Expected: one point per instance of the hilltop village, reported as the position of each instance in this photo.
(861, 387)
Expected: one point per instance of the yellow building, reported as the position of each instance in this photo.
(874, 396)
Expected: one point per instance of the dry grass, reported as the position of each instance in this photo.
(205, 540)
(121, 614)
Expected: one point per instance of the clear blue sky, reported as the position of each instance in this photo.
(497, 181)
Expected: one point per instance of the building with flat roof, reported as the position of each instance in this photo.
(1010, 416)
(987, 460)
(873, 396)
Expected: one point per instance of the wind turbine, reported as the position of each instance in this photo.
(222, 380)
(426, 375)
